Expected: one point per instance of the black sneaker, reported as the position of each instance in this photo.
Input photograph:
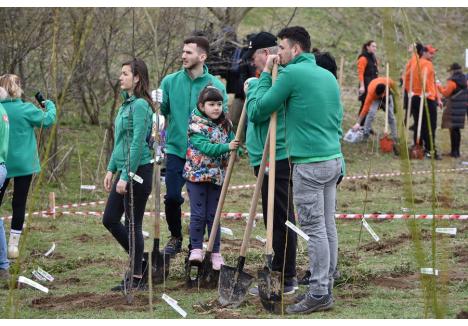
(290, 285)
(173, 246)
(305, 279)
(138, 285)
(310, 304)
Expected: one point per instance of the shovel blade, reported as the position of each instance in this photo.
(161, 264)
(208, 277)
(269, 288)
(386, 144)
(416, 152)
(233, 286)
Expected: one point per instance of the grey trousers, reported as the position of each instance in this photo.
(391, 117)
(314, 193)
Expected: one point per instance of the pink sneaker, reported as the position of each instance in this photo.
(217, 260)
(196, 255)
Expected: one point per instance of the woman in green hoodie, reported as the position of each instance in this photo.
(131, 162)
(23, 158)
(4, 136)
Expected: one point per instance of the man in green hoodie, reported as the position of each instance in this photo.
(180, 92)
(313, 116)
(284, 240)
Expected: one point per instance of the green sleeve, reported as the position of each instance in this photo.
(251, 105)
(270, 97)
(112, 167)
(38, 118)
(204, 145)
(141, 120)
(225, 100)
(165, 105)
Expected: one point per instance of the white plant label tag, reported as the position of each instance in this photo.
(36, 285)
(227, 231)
(38, 276)
(136, 177)
(259, 238)
(88, 187)
(51, 250)
(145, 234)
(451, 231)
(174, 305)
(368, 228)
(429, 271)
(297, 230)
(46, 275)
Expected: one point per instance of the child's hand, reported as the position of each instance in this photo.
(234, 144)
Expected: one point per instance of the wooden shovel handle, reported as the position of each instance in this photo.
(387, 93)
(410, 98)
(421, 105)
(256, 196)
(156, 180)
(227, 179)
(271, 173)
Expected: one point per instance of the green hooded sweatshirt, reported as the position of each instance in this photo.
(4, 134)
(23, 158)
(180, 96)
(257, 129)
(314, 112)
(132, 126)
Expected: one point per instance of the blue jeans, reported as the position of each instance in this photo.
(173, 199)
(204, 197)
(4, 263)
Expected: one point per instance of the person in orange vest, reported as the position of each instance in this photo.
(424, 63)
(417, 50)
(368, 70)
(375, 98)
(453, 118)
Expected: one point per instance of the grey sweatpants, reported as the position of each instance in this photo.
(391, 117)
(314, 193)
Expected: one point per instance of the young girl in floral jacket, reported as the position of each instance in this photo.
(210, 139)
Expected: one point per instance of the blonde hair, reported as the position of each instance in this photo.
(12, 84)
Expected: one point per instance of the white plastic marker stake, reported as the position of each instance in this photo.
(44, 274)
(373, 234)
(37, 275)
(429, 271)
(451, 231)
(259, 238)
(51, 250)
(36, 285)
(297, 230)
(174, 305)
(88, 187)
(227, 231)
(136, 177)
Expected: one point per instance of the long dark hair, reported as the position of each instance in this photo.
(211, 93)
(365, 45)
(141, 89)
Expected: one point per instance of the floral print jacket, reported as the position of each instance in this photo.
(208, 150)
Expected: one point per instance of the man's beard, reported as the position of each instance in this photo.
(193, 65)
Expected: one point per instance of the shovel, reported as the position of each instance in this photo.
(269, 282)
(207, 276)
(417, 151)
(158, 261)
(410, 98)
(386, 143)
(233, 281)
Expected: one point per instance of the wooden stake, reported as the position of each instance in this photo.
(52, 204)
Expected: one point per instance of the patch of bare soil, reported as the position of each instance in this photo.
(399, 282)
(462, 315)
(86, 300)
(462, 254)
(82, 238)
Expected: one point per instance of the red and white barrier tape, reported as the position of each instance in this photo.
(240, 216)
(240, 187)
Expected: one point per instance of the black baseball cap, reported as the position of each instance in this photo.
(454, 66)
(260, 41)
